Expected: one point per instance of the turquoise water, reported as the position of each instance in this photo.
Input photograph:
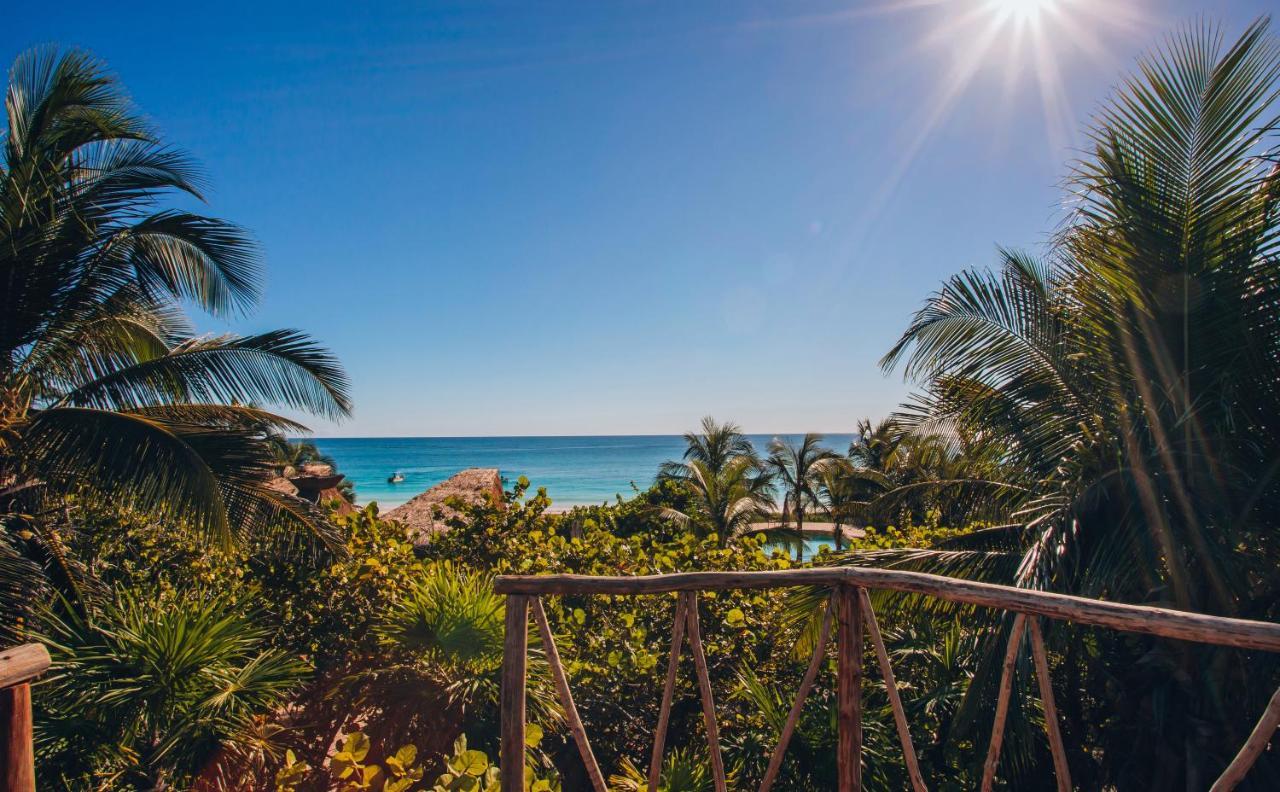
(575, 470)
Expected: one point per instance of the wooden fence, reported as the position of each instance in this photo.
(855, 620)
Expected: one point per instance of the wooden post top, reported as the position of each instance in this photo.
(20, 664)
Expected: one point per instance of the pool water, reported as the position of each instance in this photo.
(812, 546)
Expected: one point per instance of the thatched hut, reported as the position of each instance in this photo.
(427, 513)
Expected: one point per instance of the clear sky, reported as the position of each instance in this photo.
(615, 217)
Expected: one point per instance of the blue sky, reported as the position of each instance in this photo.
(615, 217)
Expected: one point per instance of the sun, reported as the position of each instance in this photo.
(1021, 10)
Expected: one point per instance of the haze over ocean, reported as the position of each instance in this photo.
(575, 470)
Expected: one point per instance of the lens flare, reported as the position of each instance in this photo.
(1021, 10)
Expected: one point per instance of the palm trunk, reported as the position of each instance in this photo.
(800, 526)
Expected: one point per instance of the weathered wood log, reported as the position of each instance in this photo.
(17, 753)
(512, 706)
(891, 687)
(572, 719)
(704, 689)
(668, 692)
(1002, 702)
(18, 666)
(1180, 625)
(1061, 771)
(848, 690)
(24, 663)
(793, 717)
(1253, 747)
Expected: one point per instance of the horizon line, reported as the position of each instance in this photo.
(534, 436)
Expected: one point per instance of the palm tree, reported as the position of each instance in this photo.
(1129, 378)
(729, 486)
(799, 469)
(103, 389)
(288, 458)
(728, 501)
(290, 455)
(841, 490)
(715, 446)
(875, 447)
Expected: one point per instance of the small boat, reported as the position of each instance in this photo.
(395, 478)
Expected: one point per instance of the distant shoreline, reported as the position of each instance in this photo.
(576, 470)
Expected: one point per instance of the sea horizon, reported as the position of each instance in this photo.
(576, 470)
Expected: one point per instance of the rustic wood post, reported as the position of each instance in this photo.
(571, 716)
(1061, 771)
(17, 763)
(1253, 747)
(793, 717)
(704, 688)
(514, 660)
(848, 690)
(668, 691)
(18, 666)
(1002, 702)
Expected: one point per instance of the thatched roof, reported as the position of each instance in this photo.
(282, 485)
(426, 514)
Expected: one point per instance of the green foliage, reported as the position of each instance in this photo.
(451, 617)
(1124, 386)
(1100, 422)
(104, 389)
(149, 687)
(466, 770)
(682, 771)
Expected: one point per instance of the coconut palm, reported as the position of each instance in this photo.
(1129, 378)
(875, 446)
(290, 455)
(799, 468)
(726, 501)
(104, 391)
(715, 446)
(730, 488)
(841, 491)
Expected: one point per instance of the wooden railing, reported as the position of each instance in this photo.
(850, 609)
(18, 666)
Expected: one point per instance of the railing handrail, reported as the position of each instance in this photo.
(1145, 619)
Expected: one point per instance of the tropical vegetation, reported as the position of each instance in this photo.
(1099, 419)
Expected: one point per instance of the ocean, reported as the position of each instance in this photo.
(575, 470)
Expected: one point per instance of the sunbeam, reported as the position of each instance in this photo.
(1021, 44)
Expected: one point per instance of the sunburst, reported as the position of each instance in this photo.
(1024, 44)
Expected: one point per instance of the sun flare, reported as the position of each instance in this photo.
(1021, 10)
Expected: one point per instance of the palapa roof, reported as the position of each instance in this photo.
(426, 514)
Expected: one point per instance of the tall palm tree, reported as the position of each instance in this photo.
(1130, 376)
(799, 468)
(104, 391)
(842, 491)
(720, 468)
(875, 446)
(716, 445)
(728, 501)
